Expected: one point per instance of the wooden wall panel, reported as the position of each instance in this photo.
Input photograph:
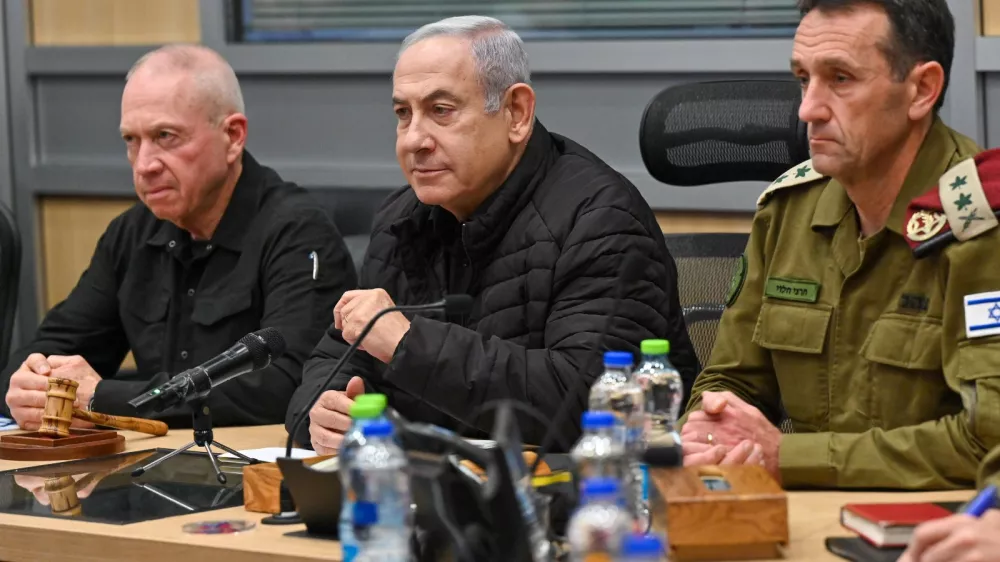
(114, 22)
(989, 18)
(676, 222)
(70, 228)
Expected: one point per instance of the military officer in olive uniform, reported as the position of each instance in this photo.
(849, 314)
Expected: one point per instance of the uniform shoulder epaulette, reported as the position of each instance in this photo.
(798, 175)
(960, 207)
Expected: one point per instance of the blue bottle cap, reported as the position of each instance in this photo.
(377, 429)
(617, 359)
(598, 420)
(600, 487)
(642, 545)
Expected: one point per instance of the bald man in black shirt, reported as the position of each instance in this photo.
(219, 246)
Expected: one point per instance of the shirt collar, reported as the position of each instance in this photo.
(932, 160)
(235, 220)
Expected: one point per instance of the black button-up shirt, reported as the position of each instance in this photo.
(275, 260)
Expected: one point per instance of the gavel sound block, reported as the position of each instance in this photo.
(720, 512)
(56, 440)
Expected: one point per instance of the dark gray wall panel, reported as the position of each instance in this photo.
(69, 135)
(340, 131)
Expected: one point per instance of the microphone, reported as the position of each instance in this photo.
(451, 305)
(254, 351)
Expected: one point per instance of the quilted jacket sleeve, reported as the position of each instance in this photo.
(457, 370)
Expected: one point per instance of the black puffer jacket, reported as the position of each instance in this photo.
(542, 258)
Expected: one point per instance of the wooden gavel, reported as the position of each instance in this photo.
(59, 413)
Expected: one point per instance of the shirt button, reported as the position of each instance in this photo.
(171, 244)
(190, 292)
(209, 247)
(184, 355)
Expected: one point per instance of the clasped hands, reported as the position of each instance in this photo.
(727, 430)
(330, 417)
(28, 385)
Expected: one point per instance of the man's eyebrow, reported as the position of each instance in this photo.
(439, 94)
(827, 61)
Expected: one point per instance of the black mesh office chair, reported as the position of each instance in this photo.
(718, 132)
(10, 274)
(705, 265)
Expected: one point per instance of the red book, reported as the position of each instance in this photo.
(888, 525)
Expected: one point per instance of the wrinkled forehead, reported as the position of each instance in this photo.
(853, 34)
(438, 63)
(162, 97)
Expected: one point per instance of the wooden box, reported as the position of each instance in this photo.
(262, 485)
(720, 512)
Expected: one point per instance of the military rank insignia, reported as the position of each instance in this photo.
(960, 207)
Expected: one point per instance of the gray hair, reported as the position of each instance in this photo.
(212, 75)
(498, 52)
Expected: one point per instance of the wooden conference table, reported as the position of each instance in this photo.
(813, 516)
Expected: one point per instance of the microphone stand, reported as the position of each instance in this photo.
(201, 422)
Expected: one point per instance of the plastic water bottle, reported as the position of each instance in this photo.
(642, 548)
(382, 518)
(600, 452)
(597, 528)
(617, 390)
(366, 408)
(663, 390)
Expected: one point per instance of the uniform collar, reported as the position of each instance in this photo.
(235, 220)
(933, 159)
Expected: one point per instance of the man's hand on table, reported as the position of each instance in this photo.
(76, 368)
(330, 418)
(959, 538)
(727, 430)
(26, 395)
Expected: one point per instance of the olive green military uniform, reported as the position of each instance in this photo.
(864, 345)
(989, 472)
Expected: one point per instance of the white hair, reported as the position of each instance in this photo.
(498, 52)
(212, 75)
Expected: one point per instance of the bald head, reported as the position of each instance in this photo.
(216, 87)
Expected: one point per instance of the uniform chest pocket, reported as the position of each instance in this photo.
(214, 309)
(906, 342)
(904, 383)
(790, 327)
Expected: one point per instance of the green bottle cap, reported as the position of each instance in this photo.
(377, 399)
(365, 410)
(655, 347)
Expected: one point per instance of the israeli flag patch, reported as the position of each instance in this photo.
(982, 314)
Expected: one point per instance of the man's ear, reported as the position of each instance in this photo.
(235, 129)
(926, 86)
(520, 107)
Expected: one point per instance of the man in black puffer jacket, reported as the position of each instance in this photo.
(530, 224)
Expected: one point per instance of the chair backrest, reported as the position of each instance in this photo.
(723, 131)
(352, 210)
(10, 275)
(705, 266)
